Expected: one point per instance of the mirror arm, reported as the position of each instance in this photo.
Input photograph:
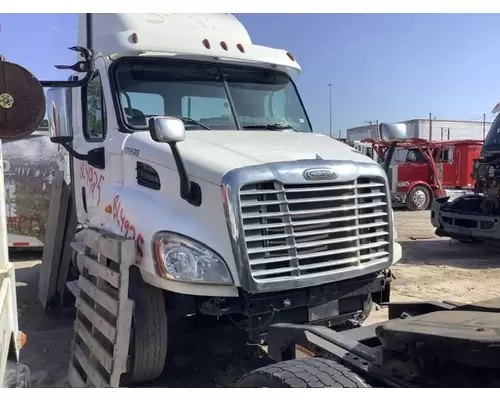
(95, 157)
(389, 155)
(82, 66)
(64, 142)
(190, 191)
(70, 150)
(69, 84)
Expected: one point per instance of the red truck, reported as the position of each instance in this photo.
(422, 170)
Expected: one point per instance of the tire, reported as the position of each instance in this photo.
(419, 198)
(303, 373)
(148, 348)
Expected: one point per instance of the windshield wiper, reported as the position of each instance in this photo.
(271, 127)
(193, 122)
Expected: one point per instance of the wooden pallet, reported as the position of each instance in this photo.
(102, 326)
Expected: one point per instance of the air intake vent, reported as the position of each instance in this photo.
(147, 176)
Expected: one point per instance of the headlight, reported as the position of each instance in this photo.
(179, 258)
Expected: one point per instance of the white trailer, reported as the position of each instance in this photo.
(363, 132)
(429, 130)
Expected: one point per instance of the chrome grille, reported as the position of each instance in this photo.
(314, 228)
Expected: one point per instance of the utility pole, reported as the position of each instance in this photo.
(2, 58)
(330, 105)
(484, 125)
(430, 127)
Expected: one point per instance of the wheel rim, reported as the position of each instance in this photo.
(419, 198)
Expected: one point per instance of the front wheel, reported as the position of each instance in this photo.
(418, 198)
(303, 373)
(148, 348)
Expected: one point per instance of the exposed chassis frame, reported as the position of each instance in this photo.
(358, 349)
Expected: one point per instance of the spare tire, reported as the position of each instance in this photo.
(22, 102)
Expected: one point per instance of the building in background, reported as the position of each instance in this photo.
(430, 130)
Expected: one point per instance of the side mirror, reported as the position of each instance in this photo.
(393, 132)
(171, 130)
(59, 115)
(167, 129)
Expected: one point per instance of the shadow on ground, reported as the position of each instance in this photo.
(214, 356)
(48, 348)
(450, 253)
(218, 357)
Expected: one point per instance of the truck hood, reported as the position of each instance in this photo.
(209, 155)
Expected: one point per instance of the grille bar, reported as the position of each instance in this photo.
(315, 222)
(312, 211)
(314, 228)
(317, 232)
(248, 191)
(322, 253)
(316, 243)
(311, 200)
(333, 263)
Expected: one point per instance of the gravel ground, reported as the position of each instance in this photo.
(431, 268)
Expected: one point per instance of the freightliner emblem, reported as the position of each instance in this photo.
(319, 174)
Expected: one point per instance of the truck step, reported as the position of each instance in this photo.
(73, 287)
(78, 246)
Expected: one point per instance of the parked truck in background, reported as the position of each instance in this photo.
(362, 147)
(193, 141)
(422, 170)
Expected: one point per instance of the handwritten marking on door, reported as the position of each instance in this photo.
(92, 179)
(125, 226)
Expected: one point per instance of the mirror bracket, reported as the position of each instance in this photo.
(190, 191)
(86, 66)
(94, 157)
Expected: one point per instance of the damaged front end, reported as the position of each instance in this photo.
(474, 217)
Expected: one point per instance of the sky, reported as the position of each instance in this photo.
(385, 67)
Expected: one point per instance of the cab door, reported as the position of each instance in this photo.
(446, 166)
(90, 123)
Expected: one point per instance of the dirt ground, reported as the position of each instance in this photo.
(431, 268)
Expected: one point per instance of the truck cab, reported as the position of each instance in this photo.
(194, 142)
(422, 170)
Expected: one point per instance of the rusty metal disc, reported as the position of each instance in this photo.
(22, 101)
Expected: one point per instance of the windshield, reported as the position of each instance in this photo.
(209, 97)
(492, 140)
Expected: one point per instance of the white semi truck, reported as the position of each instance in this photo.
(193, 141)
